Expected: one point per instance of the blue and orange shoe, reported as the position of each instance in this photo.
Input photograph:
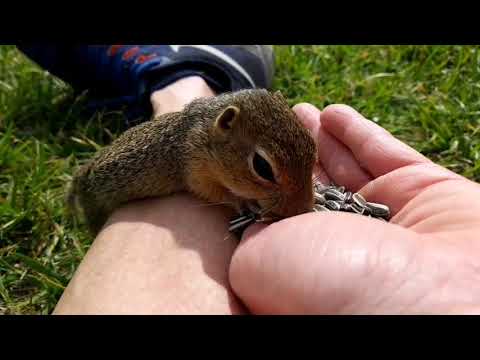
(124, 76)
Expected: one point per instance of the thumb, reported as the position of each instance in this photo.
(320, 263)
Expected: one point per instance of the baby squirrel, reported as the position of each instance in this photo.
(245, 148)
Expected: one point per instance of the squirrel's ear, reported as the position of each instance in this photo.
(226, 119)
(278, 95)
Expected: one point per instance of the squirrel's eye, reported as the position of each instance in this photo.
(262, 168)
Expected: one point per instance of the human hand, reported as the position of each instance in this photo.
(425, 260)
(175, 96)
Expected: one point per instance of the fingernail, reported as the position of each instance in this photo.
(306, 109)
(309, 116)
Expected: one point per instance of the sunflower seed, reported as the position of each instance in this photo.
(241, 224)
(346, 207)
(357, 209)
(326, 198)
(348, 197)
(332, 194)
(378, 210)
(242, 218)
(332, 205)
(359, 200)
(319, 198)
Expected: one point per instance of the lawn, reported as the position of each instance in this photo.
(428, 96)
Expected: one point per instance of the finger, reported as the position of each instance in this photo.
(404, 185)
(339, 162)
(335, 158)
(374, 148)
(309, 116)
(321, 264)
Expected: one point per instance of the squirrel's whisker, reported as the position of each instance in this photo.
(213, 204)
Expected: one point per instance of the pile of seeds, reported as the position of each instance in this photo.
(333, 198)
(327, 198)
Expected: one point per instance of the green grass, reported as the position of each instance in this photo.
(428, 96)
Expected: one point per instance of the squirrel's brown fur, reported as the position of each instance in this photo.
(204, 149)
